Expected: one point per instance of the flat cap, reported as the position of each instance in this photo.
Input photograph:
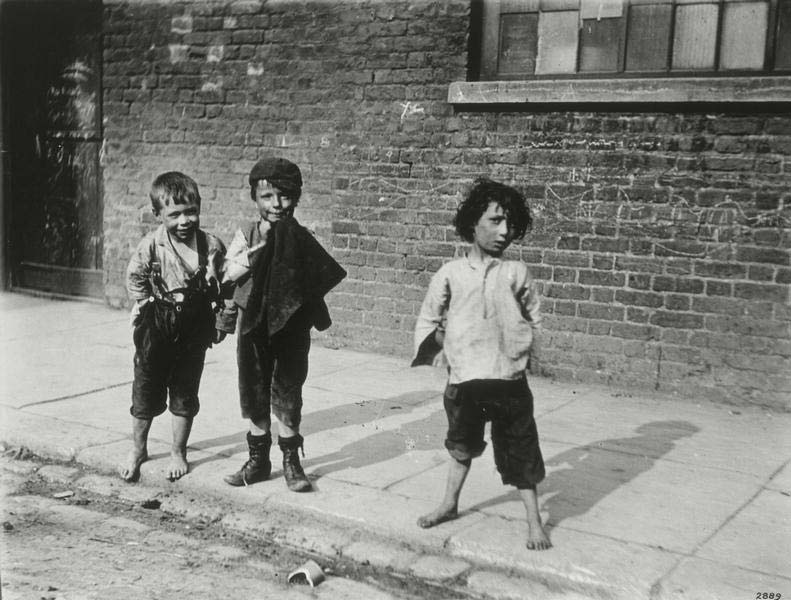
(279, 172)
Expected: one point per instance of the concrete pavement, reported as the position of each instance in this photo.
(645, 497)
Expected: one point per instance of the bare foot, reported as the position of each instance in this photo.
(537, 538)
(438, 516)
(178, 466)
(131, 471)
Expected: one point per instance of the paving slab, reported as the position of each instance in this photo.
(781, 481)
(81, 346)
(325, 361)
(379, 379)
(61, 369)
(438, 567)
(645, 508)
(48, 436)
(758, 537)
(107, 457)
(701, 579)
(382, 555)
(326, 541)
(510, 587)
(751, 441)
(390, 515)
(614, 568)
(379, 453)
(18, 311)
(483, 490)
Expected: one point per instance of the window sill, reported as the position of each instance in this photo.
(657, 90)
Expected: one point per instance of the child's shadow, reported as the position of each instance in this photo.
(372, 448)
(581, 477)
(427, 433)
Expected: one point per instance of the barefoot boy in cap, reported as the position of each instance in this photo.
(172, 279)
(482, 310)
(281, 275)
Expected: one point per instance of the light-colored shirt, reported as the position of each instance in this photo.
(237, 258)
(237, 265)
(177, 263)
(489, 308)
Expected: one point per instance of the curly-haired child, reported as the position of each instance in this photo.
(482, 310)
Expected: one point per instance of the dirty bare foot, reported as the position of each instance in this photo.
(537, 538)
(440, 515)
(130, 472)
(178, 466)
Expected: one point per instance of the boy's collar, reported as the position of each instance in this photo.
(479, 259)
(162, 238)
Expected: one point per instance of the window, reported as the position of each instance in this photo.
(628, 51)
(527, 39)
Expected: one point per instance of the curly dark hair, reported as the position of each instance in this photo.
(483, 192)
(173, 186)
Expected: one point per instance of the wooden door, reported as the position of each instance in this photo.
(51, 82)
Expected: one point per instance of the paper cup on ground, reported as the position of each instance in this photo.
(309, 572)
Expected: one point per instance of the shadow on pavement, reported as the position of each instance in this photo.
(374, 448)
(424, 434)
(581, 477)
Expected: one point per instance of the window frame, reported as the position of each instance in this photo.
(617, 87)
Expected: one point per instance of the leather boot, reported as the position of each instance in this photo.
(292, 470)
(258, 467)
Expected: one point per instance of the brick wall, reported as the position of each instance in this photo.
(661, 239)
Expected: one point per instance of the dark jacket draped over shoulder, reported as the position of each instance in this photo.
(288, 278)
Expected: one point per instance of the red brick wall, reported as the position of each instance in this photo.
(661, 239)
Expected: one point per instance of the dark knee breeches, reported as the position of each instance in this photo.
(272, 373)
(509, 407)
(170, 348)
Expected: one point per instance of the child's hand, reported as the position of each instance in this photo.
(134, 317)
(234, 271)
(219, 336)
(534, 356)
(255, 248)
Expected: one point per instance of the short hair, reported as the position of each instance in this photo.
(174, 185)
(483, 192)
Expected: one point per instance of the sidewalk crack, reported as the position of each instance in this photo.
(656, 588)
(77, 395)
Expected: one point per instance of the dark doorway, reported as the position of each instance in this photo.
(52, 122)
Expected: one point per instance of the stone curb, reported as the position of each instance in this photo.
(331, 540)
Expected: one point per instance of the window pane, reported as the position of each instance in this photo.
(601, 9)
(695, 36)
(518, 6)
(551, 5)
(744, 35)
(601, 44)
(649, 37)
(518, 43)
(557, 42)
(783, 50)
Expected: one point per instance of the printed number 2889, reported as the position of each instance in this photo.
(768, 595)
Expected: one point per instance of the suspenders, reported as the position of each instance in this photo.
(196, 284)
